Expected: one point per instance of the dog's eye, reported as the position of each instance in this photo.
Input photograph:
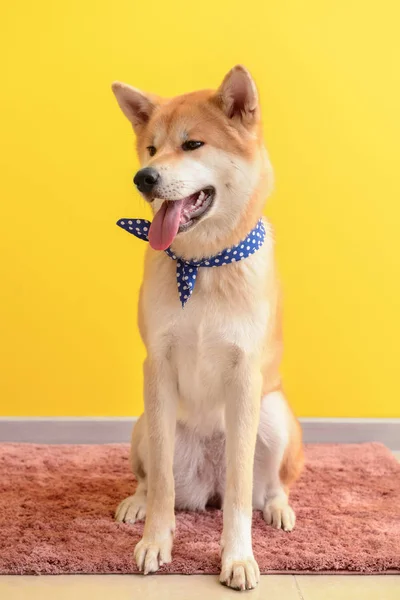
(152, 150)
(191, 145)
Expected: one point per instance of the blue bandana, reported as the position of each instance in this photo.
(186, 270)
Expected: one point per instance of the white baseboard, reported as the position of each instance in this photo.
(66, 430)
(351, 431)
(103, 430)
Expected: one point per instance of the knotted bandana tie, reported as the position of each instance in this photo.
(186, 270)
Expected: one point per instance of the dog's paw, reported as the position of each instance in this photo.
(279, 514)
(150, 554)
(131, 509)
(242, 574)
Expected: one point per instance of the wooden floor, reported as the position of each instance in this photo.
(198, 587)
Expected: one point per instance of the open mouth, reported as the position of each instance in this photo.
(195, 207)
(176, 216)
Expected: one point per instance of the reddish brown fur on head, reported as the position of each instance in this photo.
(232, 160)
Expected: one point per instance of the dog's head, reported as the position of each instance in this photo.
(204, 167)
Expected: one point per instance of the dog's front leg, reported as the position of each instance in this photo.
(239, 568)
(160, 396)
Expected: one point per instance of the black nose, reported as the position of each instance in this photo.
(145, 179)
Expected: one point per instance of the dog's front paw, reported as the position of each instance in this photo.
(151, 554)
(240, 574)
(131, 509)
(279, 514)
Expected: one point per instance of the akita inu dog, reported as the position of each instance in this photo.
(217, 428)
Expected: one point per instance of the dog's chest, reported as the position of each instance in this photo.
(208, 331)
(226, 315)
(198, 356)
(200, 362)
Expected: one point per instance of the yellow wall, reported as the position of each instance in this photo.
(328, 72)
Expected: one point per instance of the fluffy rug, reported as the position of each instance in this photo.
(57, 503)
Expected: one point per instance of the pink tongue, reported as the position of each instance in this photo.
(165, 225)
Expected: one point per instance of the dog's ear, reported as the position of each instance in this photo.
(136, 105)
(238, 97)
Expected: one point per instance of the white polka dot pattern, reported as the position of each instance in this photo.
(186, 270)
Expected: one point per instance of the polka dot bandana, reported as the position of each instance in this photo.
(187, 270)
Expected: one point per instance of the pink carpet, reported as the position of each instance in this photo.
(57, 503)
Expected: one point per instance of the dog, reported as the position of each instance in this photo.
(217, 428)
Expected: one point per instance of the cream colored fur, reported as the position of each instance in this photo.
(216, 427)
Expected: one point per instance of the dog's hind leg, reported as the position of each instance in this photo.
(277, 462)
(133, 508)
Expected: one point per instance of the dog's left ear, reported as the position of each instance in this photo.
(238, 97)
